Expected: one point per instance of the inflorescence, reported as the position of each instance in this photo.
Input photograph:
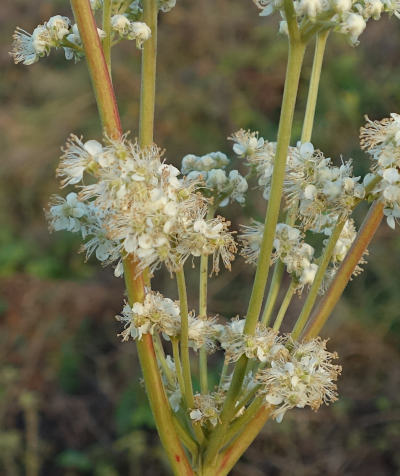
(128, 202)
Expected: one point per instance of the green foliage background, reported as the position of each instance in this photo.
(71, 400)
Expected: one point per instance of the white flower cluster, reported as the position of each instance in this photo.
(313, 185)
(217, 183)
(348, 17)
(262, 346)
(318, 187)
(382, 141)
(145, 208)
(303, 376)
(207, 408)
(295, 254)
(209, 237)
(76, 216)
(312, 182)
(130, 30)
(289, 247)
(55, 33)
(158, 314)
(259, 155)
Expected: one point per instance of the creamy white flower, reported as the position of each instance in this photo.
(353, 25)
(155, 314)
(27, 49)
(78, 157)
(309, 8)
(341, 6)
(139, 32)
(65, 214)
(58, 27)
(121, 24)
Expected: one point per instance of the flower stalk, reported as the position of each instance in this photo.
(295, 61)
(343, 276)
(109, 115)
(107, 7)
(309, 116)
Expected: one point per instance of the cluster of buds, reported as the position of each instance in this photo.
(347, 17)
(216, 182)
(381, 139)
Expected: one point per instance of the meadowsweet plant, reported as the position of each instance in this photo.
(137, 213)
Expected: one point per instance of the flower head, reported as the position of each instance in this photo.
(155, 314)
(381, 139)
(304, 376)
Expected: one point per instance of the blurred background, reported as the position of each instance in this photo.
(71, 399)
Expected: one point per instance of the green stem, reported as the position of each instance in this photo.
(187, 440)
(184, 347)
(184, 339)
(296, 54)
(306, 134)
(203, 312)
(246, 399)
(107, 6)
(273, 292)
(158, 347)
(295, 60)
(309, 116)
(224, 371)
(285, 304)
(148, 81)
(344, 273)
(178, 368)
